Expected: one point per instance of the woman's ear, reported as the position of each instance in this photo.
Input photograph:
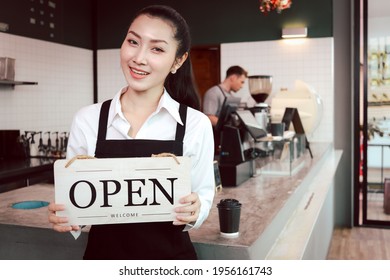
(179, 62)
(182, 59)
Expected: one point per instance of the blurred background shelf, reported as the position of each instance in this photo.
(16, 83)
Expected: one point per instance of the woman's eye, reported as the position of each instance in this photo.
(157, 49)
(132, 42)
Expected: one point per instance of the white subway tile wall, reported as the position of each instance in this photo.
(309, 60)
(110, 76)
(65, 84)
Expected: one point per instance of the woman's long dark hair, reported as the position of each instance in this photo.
(181, 85)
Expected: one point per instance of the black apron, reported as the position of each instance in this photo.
(138, 241)
(217, 129)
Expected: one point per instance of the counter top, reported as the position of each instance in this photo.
(268, 202)
(32, 217)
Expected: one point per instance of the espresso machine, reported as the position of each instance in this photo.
(236, 161)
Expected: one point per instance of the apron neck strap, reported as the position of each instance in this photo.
(180, 129)
(224, 94)
(103, 118)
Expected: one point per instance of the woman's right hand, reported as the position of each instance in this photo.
(59, 222)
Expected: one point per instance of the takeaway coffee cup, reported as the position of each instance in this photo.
(229, 211)
(277, 129)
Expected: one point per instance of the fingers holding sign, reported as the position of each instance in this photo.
(190, 212)
(60, 223)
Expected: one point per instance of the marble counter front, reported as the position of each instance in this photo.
(268, 203)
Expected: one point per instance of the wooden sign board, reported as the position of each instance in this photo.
(121, 190)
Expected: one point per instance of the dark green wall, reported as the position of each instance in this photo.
(215, 22)
(72, 20)
(78, 23)
(211, 22)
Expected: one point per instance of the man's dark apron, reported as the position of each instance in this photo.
(217, 129)
(159, 240)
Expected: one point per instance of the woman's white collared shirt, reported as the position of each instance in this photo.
(161, 125)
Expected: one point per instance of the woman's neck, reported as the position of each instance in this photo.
(138, 101)
(137, 108)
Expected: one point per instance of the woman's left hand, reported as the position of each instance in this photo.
(190, 212)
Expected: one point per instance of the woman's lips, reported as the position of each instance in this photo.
(137, 73)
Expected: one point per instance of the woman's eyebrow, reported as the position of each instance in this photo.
(152, 40)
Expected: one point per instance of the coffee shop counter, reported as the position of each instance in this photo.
(280, 216)
(15, 173)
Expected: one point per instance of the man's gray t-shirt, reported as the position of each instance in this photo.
(213, 100)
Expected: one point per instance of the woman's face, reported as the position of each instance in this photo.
(148, 54)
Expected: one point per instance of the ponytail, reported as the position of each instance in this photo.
(181, 86)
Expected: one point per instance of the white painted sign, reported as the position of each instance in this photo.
(121, 190)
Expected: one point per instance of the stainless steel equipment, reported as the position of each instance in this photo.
(7, 68)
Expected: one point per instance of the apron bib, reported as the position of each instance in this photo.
(138, 241)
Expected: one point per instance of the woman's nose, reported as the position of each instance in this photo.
(140, 56)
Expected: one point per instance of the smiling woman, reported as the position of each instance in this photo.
(148, 55)
(155, 113)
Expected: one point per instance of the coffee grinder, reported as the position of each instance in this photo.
(260, 87)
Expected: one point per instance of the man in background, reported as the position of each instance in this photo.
(215, 96)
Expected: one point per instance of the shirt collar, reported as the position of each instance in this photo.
(166, 102)
(171, 105)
